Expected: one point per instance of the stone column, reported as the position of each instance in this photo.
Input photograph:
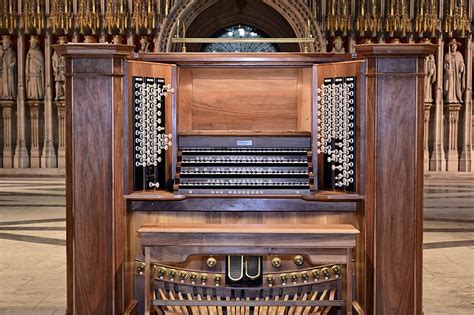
(21, 158)
(352, 43)
(452, 121)
(75, 37)
(48, 157)
(430, 78)
(438, 159)
(35, 133)
(103, 37)
(61, 106)
(426, 160)
(130, 39)
(7, 133)
(466, 162)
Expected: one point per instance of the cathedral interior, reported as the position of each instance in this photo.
(82, 227)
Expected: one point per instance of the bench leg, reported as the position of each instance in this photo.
(148, 283)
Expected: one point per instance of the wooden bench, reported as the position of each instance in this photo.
(174, 243)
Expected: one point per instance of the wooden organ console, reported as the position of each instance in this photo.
(284, 183)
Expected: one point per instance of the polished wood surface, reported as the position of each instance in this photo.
(281, 59)
(104, 214)
(303, 229)
(269, 99)
(394, 176)
(94, 203)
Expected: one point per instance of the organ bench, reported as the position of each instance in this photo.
(244, 183)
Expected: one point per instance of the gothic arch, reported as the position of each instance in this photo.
(296, 15)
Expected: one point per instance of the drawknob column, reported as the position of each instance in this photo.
(394, 96)
(96, 103)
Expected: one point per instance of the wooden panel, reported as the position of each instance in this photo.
(213, 203)
(94, 215)
(393, 176)
(92, 242)
(257, 99)
(368, 169)
(307, 229)
(304, 101)
(393, 214)
(395, 217)
(352, 68)
(245, 59)
(254, 99)
(202, 218)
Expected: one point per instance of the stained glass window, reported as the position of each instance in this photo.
(240, 31)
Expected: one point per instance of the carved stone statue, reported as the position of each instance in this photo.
(8, 70)
(430, 78)
(454, 74)
(338, 45)
(117, 39)
(34, 71)
(89, 39)
(59, 68)
(144, 44)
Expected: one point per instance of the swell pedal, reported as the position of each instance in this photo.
(252, 267)
(244, 271)
(235, 268)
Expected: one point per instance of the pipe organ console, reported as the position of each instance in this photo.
(285, 183)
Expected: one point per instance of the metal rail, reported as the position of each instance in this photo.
(287, 303)
(279, 40)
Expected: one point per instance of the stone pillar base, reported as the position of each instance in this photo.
(21, 158)
(438, 159)
(452, 161)
(7, 160)
(465, 163)
(48, 157)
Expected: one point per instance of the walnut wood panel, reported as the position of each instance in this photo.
(254, 99)
(394, 176)
(252, 229)
(341, 69)
(367, 215)
(95, 222)
(244, 59)
(93, 172)
(304, 101)
(213, 203)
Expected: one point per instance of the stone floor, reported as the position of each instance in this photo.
(32, 246)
